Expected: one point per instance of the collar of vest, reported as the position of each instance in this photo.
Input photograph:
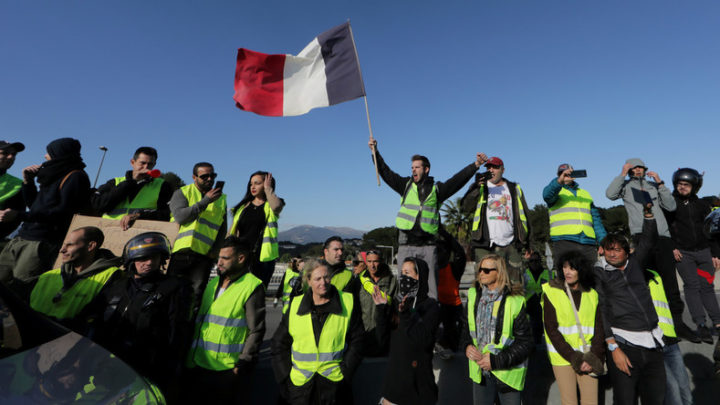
(333, 307)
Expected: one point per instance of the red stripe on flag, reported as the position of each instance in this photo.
(259, 82)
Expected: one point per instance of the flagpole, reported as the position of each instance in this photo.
(367, 110)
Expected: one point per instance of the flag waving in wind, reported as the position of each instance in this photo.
(325, 73)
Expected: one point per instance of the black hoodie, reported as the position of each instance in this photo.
(409, 378)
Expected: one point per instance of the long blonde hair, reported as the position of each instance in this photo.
(503, 278)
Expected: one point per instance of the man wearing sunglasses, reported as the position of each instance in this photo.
(201, 212)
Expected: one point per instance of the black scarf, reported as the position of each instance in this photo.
(57, 168)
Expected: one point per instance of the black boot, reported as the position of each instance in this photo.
(685, 333)
(705, 334)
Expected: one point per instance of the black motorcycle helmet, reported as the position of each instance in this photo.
(144, 245)
(690, 175)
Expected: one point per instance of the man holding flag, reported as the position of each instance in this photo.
(419, 217)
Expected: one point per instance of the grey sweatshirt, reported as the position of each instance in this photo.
(661, 196)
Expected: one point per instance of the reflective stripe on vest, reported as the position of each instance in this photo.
(287, 288)
(660, 302)
(532, 286)
(9, 186)
(571, 214)
(410, 207)
(199, 235)
(146, 199)
(323, 358)
(73, 300)
(477, 220)
(369, 286)
(269, 248)
(221, 326)
(341, 279)
(514, 376)
(567, 325)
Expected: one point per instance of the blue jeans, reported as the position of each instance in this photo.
(678, 383)
(484, 393)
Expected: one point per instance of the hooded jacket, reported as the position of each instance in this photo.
(409, 377)
(64, 191)
(622, 187)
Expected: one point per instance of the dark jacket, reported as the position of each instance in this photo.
(53, 206)
(146, 323)
(109, 195)
(687, 221)
(481, 236)
(416, 236)
(319, 390)
(509, 356)
(624, 295)
(409, 377)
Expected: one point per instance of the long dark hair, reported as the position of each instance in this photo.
(579, 262)
(248, 196)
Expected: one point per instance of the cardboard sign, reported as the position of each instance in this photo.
(115, 237)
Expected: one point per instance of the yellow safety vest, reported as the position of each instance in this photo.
(532, 286)
(660, 302)
(477, 219)
(324, 358)
(269, 248)
(515, 376)
(146, 199)
(369, 286)
(9, 186)
(199, 235)
(567, 325)
(571, 214)
(287, 289)
(71, 301)
(221, 327)
(410, 207)
(341, 279)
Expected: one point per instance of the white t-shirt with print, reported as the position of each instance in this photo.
(499, 214)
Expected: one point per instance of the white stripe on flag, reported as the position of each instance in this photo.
(304, 86)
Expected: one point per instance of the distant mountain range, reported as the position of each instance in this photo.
(313, 234)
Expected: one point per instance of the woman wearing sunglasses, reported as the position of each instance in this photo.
(255, 221)
(573, 329)
(496, 335)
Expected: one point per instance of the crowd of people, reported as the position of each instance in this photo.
(609, 304)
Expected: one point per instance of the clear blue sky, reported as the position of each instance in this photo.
(536, 83)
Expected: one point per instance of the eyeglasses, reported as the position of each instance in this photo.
(208, 176)
(486, 270)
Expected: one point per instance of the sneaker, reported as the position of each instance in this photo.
(705, 334)
(685, 333)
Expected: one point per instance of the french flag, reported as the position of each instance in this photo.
(325, 73)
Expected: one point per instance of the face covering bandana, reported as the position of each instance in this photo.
(408, 287)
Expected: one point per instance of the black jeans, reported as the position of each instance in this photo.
(193, 267)
(647, 376)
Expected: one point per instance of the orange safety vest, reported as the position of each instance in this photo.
(448, 287)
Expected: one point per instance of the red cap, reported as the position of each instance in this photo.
(495, 161)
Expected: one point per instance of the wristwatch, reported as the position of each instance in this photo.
(612, 346)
